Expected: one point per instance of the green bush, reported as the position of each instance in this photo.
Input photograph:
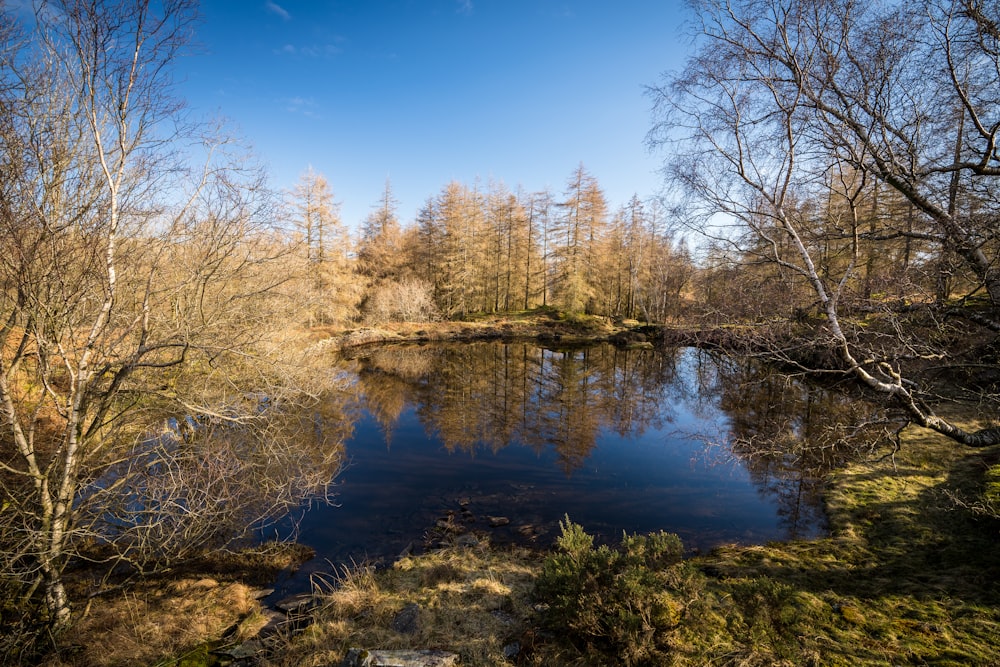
(621, 600)
(768, 613)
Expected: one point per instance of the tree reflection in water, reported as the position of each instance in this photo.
(788, 432)
(494, 395)
(714, 448)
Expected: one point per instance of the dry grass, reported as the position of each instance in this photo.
(148, 624)
(540, 322)
(162, 619)
(472, 601)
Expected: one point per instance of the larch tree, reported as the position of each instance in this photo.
(379, 250)
(317, 215)
(326, 248)
(537, 207)
(583, 219)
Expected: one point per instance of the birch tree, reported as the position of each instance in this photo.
(120, 263)
(782, 94)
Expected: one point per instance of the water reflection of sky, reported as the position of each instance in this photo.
(664, 466)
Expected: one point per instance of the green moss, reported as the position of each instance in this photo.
(991, 487)
(852, 614)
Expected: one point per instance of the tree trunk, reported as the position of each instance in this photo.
(56, 600)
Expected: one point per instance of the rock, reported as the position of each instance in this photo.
(407, 621)
(503, 617)
(241, 651)
(275, 621)
(632, 340)
(497, 521)
(448, 524)
(296, 604)
(357, 657)
(468, 540)
(510, 651)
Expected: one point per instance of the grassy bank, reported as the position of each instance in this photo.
(907, 577)
(545, 324)
(173, 618)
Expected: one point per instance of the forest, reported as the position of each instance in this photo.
(474, 249)
(831, 204)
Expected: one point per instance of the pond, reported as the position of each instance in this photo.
(503, 440)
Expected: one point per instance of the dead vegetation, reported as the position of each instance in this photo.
(474, 600)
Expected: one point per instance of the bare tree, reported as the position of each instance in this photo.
(787, 103)
(120, 265)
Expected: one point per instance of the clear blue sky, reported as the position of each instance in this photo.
(428, 91)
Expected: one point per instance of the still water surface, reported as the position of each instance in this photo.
(452, 439)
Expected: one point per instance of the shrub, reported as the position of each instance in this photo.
(403, 301)
(619, 600)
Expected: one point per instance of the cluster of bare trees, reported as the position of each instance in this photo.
(845, 153)
(137, 284)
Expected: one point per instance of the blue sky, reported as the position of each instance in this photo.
(428, 91)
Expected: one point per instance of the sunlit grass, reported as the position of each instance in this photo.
(471, 600)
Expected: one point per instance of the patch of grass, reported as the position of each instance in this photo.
(150, 624)
(174, 618)
(471, 600)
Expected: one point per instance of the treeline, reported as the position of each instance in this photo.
(488, 249)
(474, 249)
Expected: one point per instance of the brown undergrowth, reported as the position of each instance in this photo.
(471, 599)
(173, 618)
